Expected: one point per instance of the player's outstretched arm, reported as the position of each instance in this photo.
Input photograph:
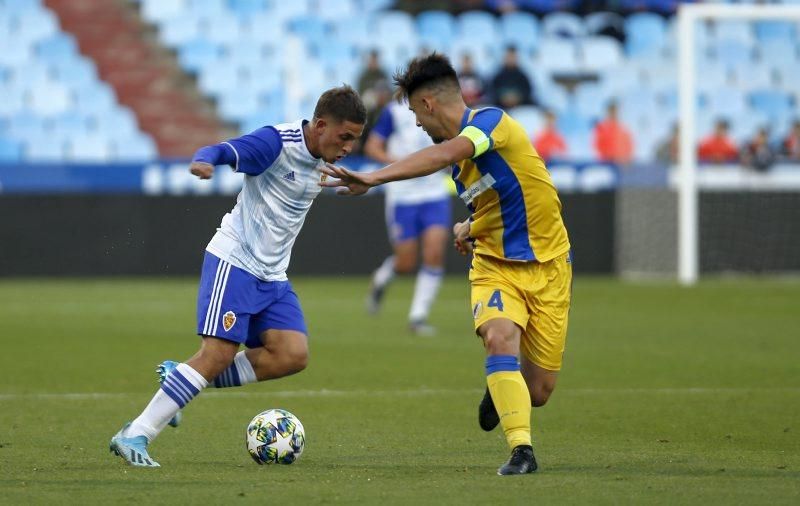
(207, 157)
(422, 163)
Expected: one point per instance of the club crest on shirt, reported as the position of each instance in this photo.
(477, 309)
(228, 319)
(323, 177)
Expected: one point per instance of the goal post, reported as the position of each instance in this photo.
(687, 178)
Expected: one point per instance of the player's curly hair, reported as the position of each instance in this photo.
(433, 70)
(341, 104)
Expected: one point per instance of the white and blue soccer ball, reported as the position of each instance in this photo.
(275, 436)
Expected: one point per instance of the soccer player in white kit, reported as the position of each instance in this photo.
(244, 296)
(417, 214)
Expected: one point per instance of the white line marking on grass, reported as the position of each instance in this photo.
(415, 392)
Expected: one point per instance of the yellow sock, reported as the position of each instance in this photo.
(513, 404)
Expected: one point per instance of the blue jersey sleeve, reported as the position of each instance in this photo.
(384, 125)
(256, 151)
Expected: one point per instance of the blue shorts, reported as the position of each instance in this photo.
(409, 221)
(237, 306)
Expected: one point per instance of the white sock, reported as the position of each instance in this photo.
(385, 273)
(180, 387)
(239, 373)
(428, 281)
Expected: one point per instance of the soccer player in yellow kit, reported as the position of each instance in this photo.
(521, 273)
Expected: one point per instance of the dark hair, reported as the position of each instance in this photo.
(341, 104)
(433, 70)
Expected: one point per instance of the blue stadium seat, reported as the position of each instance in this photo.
(264, 27)
(312, 29)
(58, 47)
(89, 148)
(563, 24)
(645, 35)
(246, 8)
(222, 28)
(139, 147)
(520, 29)
(778, 52)
(739, 30)
(177, 31)
(726, 101)
(333, 10)
(49, 99)
(788, 76)
(731, 52)
(75, 73)
(34, 25)
(529, 117)
(772, 103)
(775, 30)
(436, 29)
(556, 54)
(571, 123)
(157, 11)
(744, 126)
(600, 53)
(70, 121)
(207, 8)
(590, 100)
(621, 79)
(120, 122)
(395, 24)
(604, 23)
(18, 6)
(44, 150)
(235, 105)
(478, 24)
(195, 54)
(98, 98)
(356, 30)
(376, 5)
(10, 150)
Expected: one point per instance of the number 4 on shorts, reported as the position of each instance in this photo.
(496, 300)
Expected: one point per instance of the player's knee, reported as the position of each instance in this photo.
(296, 358)
(498, 343)
(540, 395)
(404, 265)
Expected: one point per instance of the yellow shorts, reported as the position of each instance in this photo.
(536, 296)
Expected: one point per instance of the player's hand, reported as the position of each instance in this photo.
(461, 238)
(202, 170)
(346, 182)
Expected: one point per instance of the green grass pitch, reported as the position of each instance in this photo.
(667, 396)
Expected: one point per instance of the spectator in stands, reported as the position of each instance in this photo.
(758, 154)
(375, 91)
(510, 86)
(549, 143)
(718, 147)
(612, 140)
(372, 73)
(791, 145)
(472, 85)
(667, 151)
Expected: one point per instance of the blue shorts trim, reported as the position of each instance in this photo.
(409, 221)
(235, 305)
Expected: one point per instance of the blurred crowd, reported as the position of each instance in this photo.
(612, 140)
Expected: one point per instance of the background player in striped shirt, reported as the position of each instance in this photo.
(244, 295)
(521, 271)
(417, 216)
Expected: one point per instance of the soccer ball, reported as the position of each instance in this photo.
(275, 436)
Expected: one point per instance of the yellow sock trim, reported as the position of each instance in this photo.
(513, 404)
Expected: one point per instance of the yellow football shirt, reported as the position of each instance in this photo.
(516, 213)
